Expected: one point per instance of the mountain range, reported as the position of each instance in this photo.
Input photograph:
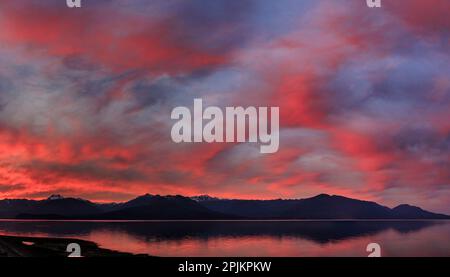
(156, 207)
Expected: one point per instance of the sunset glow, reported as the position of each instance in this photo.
(363, 94)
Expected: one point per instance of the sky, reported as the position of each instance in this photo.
(364, 97)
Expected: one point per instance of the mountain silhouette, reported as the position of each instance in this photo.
(54, 207)
(149, 206)
(405, 211)
(162, 207)
(322, 206)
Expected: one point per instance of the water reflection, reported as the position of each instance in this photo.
(250, 238)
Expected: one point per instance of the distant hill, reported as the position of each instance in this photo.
(55, 205)
(149, 206)
(336, 207)
(162, 207)
(322, 206)
(412, 212)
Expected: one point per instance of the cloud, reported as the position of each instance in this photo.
(5, 188)
(86, 95)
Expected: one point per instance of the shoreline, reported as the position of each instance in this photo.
(223, 220)
(22, 246)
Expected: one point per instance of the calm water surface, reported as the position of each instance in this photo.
(249, 238)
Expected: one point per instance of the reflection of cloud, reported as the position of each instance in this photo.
(215, 238)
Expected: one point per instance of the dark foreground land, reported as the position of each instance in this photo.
(14, 246)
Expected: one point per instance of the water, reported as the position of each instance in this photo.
(249, 238)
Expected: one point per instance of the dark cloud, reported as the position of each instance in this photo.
(86, 95)
(79, 62)
(423, 141)
(86, 170)
(5, 188)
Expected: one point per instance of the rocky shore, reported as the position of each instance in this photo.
(18, 246)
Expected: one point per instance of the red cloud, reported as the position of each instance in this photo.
(293, 71)
(120, 42)
(425, 17)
